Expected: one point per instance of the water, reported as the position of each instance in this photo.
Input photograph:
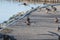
(8, 9)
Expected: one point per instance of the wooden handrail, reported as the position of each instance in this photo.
(37, 1)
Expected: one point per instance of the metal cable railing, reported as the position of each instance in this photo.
(19, 17)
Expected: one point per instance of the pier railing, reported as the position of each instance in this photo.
(19, 16)
(39, 1)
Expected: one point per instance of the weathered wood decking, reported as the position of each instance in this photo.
(41, 26)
